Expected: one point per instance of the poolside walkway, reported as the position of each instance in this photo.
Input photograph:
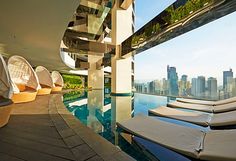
(44, 130)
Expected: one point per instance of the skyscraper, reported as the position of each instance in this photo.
(151, 87)
(194, 87)
(226, 76)
(212, 87)
(172, 77)
(164, 87)
(201, 86)
(183, 85)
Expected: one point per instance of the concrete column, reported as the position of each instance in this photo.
(95, 73)
(121, 81)
(122, 23)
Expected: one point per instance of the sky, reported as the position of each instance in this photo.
(206, 51)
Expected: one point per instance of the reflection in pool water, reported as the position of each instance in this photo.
(100, 112)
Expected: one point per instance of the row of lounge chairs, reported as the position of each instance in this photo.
(20, 83)
(191, 142)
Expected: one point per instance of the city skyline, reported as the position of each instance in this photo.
(179, 76)
(191, 53)
(199, 86)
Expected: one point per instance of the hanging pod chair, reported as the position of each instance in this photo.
(45, 80)
(57, 81)
(5, 93)
(24, 79)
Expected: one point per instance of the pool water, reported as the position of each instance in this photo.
(99, 111)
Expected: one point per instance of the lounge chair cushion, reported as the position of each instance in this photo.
(219, 145)
(194, 101)
(211, 145)
(190, 106)
(192, 117)
(204, 108)
(224, 107)
(182, 139)
(213, 120)
(223, 119)
(211, 103)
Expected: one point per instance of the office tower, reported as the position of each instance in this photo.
(194, 87)
(226, 75)
(183, 85)
(164, 87)
(151, 87)
(172, 77)
(212, 88)
(157, 86)
(140, 87)
(233, 93)
(201, 86)
(230, 87)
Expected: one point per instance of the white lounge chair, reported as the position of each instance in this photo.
(5, 93)
(58, 81)
(45, 80)
(24, 79)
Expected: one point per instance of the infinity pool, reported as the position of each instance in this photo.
(99, 111)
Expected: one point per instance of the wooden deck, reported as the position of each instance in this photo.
(44, 130)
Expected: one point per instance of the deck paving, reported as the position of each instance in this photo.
(44, 130)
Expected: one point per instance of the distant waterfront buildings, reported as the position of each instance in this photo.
(199, 87)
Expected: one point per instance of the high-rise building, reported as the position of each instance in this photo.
(151, 87)
(201, 86)
(164, 87)
(157, 86)
(212, 88)
(226, 75)
(183, 85)
(140, 87)
(172, 77)
(194, 87)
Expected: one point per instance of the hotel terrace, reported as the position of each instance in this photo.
(44, 44)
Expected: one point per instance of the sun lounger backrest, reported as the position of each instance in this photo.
(57, 79)
(44, 76)
(22, 73)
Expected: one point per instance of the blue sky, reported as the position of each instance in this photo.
(207, 51)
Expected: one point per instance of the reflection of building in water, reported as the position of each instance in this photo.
(121, 109)
(95, 102)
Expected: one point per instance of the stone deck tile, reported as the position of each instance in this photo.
(45, 130)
